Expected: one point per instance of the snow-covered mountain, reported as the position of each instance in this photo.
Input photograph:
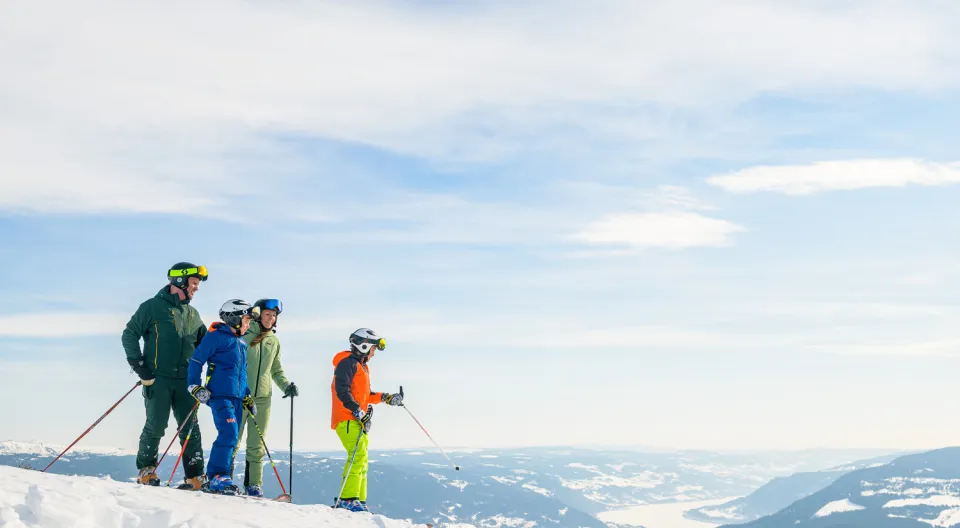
(912, 491)
(778, 494)
(550, 486)
(30, 499)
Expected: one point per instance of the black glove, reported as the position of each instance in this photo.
(140, 368)
(291, 390)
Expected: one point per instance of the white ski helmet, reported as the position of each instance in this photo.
(364, 340)
(232, 312)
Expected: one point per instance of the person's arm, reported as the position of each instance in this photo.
(201, 355)
(343, 381)
(201, 332)
(135, 329)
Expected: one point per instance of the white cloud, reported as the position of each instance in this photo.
(114, 107)
(838, 175)
(671, 230)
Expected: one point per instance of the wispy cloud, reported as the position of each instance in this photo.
(838, 175)
(96, 125)
(674, 230)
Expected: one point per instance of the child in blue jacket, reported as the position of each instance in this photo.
(226, 391)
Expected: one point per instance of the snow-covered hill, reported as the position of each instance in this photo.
(36, 447)
(913, 491)
(31, 499)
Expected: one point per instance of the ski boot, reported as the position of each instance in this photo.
(221, 484)
(254, 491)
(353, 505)
(193, 484)
(148, 476)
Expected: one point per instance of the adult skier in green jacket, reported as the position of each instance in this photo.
(263, 366)
(170, 329)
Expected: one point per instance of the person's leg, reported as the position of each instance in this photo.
(157, 400)
(364, 443)
(255, 449)
(349, 432)
(225, 419)
(183, 403)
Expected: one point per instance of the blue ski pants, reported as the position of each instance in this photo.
(227, 414)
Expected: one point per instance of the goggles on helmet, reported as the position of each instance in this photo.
(273, 304)
(201, 271)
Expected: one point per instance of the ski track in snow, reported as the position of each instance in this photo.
(30, 499)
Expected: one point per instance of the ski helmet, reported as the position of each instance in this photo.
(364, 340)
(180, 273)
(232, 312)
(267, 304)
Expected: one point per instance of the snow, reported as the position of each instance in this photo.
(669, 515)
(536, 489)
(837, 506)
(947, 518)
(30, 499)
(934, 500)
(36, 447)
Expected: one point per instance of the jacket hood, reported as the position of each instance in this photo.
(344, 355)
(221, 326)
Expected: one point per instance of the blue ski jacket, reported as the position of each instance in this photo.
(225, 353)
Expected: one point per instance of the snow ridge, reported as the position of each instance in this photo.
(31, 499)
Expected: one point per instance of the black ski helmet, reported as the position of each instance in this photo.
(179, 273)
(364, 340)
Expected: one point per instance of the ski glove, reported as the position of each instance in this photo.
(147, 382)
(364, 417)
(249, 405)
(392, 399)
(200, 393)
(291, 390)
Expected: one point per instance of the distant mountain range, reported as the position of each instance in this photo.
(551, 486)
(913, 491)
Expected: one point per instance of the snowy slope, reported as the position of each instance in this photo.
(34, 499)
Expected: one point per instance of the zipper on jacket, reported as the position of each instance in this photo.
(259, 368)
(156, 347)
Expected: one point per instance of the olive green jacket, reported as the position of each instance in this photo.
(263, 363)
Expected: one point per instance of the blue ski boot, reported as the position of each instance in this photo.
(254, 491)
(222, 484)
(353, 505)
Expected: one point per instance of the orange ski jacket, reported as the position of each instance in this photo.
(350, 387)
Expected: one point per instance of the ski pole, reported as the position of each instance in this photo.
(175, 466)
(172, 440)
(456, 467)
(264, 442)
(290, 479)
(92, 426)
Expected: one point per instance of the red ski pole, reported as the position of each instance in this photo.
(92, 426)
(182, 449)
(456, 467)
(174, 439)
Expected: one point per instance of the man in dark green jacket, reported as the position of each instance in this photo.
(170, 329)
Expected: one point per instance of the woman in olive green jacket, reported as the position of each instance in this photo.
(263, 366)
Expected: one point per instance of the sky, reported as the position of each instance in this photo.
(676, 224)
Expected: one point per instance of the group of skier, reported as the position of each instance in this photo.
(241, 354)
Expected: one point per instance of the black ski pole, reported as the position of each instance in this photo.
(285, 496)
(290, 479)
(92, 426)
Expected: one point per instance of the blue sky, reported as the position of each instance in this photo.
(656, 224)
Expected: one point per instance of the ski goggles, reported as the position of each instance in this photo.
(200, 271)
(379, 343)
(273, 304)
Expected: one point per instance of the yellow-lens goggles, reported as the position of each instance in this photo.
(199, 270)
(382, 343)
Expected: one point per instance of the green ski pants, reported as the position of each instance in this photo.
(349, 432)
(253, 473)
(159, 399)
